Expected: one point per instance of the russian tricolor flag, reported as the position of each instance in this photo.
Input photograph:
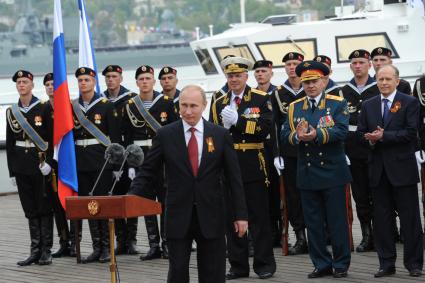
(86, 57)
(63, 138)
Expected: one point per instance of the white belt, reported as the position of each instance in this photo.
(86, 142)
(352, 128)
(143, 142)
(25, 143)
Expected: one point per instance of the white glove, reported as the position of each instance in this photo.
(13, 181)
(45, 168)
(229, 116)
(131, 173)
(117, 175)
(279, 164)
(420, 159)
(347, 160)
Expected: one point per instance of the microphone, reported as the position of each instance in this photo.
(114, 153)
(135, 155)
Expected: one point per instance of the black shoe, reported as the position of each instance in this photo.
(121, 249)
(104, 255)
(385, 272)
(265, 275)
(164, 250)
(232, 275)
(94, 256)
(415, 272)
(300, 246)
(132, 249)
(320, 273)
(62, 251)
(45, 258)
(153, 253)
(33, 258)
(340, 273)
(72, 251)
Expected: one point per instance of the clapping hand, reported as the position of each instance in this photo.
(374, 136)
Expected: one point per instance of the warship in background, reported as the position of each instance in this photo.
(29, 46)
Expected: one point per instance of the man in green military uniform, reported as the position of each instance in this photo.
(246, 112)
(318, 124)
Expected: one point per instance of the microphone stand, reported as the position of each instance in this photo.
(100, 174)
(126, 154)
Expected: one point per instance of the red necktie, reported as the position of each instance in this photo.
(192, 148)
(237, 100)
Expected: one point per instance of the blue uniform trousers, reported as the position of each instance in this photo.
(327, 205)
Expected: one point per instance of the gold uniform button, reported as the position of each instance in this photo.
(320, 154)
(306, 144)
(360, 100)
(308, 154)
(309, 164)
(322, 163)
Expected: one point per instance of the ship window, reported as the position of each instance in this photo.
(236, 50)
(274, 51)
(206, 62)
(346, 44)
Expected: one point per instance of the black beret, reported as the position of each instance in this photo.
(293, 56)
(85, 71)
(167, 70)
(381, 51)
(22, 74)
(263, 64)
(144, 69)
(112, 68)
(311, 70)
(324, 59)
(228, 56)
(359, 53)
(48, 77)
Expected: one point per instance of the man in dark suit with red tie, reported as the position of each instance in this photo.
(389, 123)
(196, 153)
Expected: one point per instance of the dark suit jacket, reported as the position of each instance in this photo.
(395, 153)
(186, 191)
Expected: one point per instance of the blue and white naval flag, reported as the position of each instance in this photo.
(86, 57)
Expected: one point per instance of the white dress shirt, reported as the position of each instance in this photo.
(317, 99)
(199, 134)
(232, 100)
(390, 101)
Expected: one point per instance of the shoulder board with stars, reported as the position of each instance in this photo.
(333, 97)
(257, 91)
(299, 100)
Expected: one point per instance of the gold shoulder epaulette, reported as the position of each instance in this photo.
(104, 100)
(334, 97)
(279, 87)
(257, 91)
(130, 101)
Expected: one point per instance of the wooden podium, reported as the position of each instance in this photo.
(108, 207)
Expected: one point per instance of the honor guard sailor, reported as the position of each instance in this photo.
(126, 229)
(331, 87)
(246, 112)
(168, 80)
(26, 146)
(96, 127)
(360, 88)
(59, 212)
(144, 114)
(318, 125)
(281, 98)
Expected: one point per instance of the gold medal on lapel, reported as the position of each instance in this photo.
(97, 119)
(38, 121)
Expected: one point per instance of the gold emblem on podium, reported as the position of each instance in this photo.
(93, 207)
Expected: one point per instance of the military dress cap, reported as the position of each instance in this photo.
(112, 68)
(293, 56)
(85, 71)
(311, 70)
(324, 59)
(144, 69)
(359, 53)
(263, 64)
(48, 77)
(167, 70)
(234, 64)
(381, 51)
(22, 74)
